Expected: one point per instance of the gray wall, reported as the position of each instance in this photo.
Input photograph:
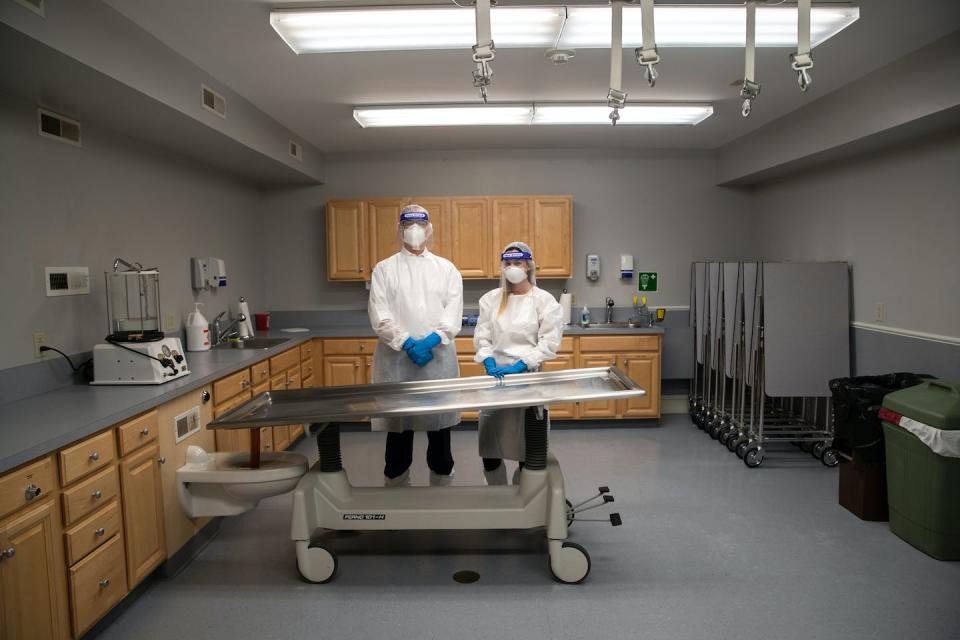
(662, 207)
(66, 206)
(894, 216)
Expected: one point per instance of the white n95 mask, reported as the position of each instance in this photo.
(514, 275)
(414, 235)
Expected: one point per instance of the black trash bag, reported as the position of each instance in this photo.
(856, 402)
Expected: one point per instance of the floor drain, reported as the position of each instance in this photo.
(466, 577)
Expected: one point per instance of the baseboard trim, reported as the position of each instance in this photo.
(671, 405)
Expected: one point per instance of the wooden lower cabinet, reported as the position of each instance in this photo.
(644, 369)
(142, 513)
(597, 408)
(560, 363)
(32, 578)
(97, 583)
(345, 370)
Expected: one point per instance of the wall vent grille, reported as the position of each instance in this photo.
(296, 151)
(213, 101)
(58, 127)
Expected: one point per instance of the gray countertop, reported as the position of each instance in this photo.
(35, 426)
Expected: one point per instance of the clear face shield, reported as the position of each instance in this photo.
(414, 230)
(517, 266)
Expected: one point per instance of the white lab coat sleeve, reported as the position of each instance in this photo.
(381, 316)
(548, 335)
(451, 320)
(483, 333)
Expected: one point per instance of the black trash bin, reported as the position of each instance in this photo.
(858, 436)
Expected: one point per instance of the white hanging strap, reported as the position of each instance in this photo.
(483, 51)
(616, 98)
(802, 61)
(751, 88)
(647, 53)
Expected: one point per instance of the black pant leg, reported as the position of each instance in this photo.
(398, 454)
(491, 464)
(439, 455)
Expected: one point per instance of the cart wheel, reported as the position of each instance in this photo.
(818, 450)
(830, 458)
(725, 436)
(732, 442)
(573, 564)
(317, 565)
(753, 457)
(742, 448)
(570, 514)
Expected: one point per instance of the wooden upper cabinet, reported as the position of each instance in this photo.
(553, 236)
(347, 240)
(384, 215)
(512, 222)
(439, 210)
(470, 236)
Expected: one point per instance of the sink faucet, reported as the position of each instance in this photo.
(609, 317)
(222, 334)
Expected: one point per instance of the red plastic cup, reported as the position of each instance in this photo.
(262, 320)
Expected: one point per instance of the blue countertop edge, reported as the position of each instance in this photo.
(36, 426)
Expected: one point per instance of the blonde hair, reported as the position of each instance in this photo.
(505, 294)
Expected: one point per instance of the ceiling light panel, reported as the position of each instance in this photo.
(528, 114)
(449, 27)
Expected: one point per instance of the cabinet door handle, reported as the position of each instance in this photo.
(205, 396)
(145, 431)
(31, 492)
(162, 460)
(100, 532)
(97, 494)
(8, 553)
(95, 456)
(105, 583)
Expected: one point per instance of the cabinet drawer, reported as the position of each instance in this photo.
(92, 532)
(90, 494)
(26, 485)
(226, 388)
(278, 382)
(306, 368)
(260, 372)
(607, 344)
(233, 402)
(284, 361)
(306, 350)
(293, 379)
(97, 582)
(465, 346)
(566, 345)
(308, 382)
(91, 454)
(261, 388)
(349, 346)
(138, 432)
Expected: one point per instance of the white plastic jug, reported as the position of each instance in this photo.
(198, 330)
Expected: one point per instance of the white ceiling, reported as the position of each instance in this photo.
(313, 95)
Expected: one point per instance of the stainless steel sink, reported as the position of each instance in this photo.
(251, 343)
(612, 325)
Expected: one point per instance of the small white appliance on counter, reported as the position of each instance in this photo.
(136, 351)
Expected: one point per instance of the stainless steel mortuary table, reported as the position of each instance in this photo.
(325, 499)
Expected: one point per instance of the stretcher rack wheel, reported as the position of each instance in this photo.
(818, 450)
(575, 563)
(830, 458)
(742, 447)
(317, 565)
(753, 458)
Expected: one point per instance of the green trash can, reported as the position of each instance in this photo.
(921, 427)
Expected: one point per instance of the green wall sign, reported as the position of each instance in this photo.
(647, 280)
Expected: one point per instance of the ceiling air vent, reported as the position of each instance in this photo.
(213, 101)
(296, 151)
(58, 127)
(34, 5)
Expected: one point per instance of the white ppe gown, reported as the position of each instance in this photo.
(529, 329)
(413, 296)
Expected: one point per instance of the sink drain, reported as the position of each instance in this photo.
(466, 577)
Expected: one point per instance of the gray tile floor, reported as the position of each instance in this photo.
(708, 549)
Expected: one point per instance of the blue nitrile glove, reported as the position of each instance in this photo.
(408, 344)
(423, 360)
(490, 365)
(517, 367)
(423, 347)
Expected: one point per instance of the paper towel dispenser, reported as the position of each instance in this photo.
(208, 273)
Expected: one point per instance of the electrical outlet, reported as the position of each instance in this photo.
(39, 340)
(880, 312)
(169, 322)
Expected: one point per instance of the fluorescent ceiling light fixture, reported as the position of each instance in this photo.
(528, 114)
(397, 28)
